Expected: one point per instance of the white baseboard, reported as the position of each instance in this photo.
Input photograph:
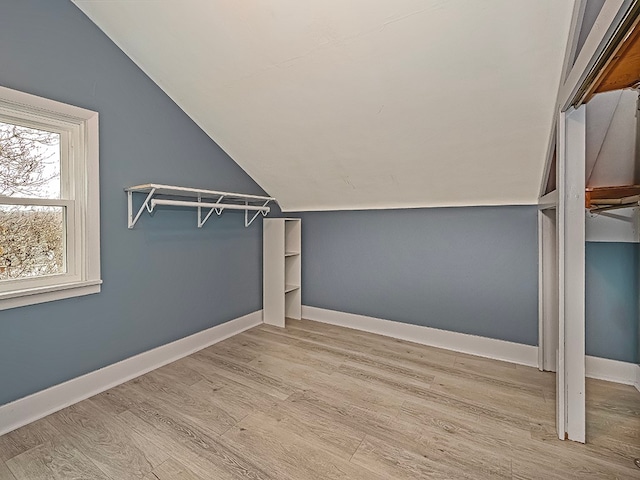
(600, 368)
(458, 342)
(40, 404)
(611, 370)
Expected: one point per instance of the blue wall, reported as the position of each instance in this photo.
(470, 270)
(162, 281)
(612, 300)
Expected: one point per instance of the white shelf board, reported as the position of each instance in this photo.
(290, 288)
(161, 189)
(291, 254)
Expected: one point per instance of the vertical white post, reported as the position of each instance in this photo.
(541, 290)
(561, 391)
(571, 230)
(548, 289)
(273, 271)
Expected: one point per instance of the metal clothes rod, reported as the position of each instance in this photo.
(614, 207)
(616, 201)
(217, 206)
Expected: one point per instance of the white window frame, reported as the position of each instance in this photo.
(80, 197)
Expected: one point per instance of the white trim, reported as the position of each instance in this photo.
(28, 102)
(458, 342)
(81, 188)
(34, 296)
(571, 264)
(611, 370)
(548, 274)
(521, 354)
(92, 198)
(550, 200)
(40, 404)
(577, 18)
(542, 256)
(548, 159)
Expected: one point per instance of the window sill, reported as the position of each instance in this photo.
(33, 296)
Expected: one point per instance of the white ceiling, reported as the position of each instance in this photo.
(334, 104)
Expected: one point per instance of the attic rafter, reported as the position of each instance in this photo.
(624, 69)
(621, 69)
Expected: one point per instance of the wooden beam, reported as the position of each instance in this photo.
(600, 193)
(622, 69)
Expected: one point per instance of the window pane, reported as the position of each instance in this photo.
(29, 162)
(32, 240)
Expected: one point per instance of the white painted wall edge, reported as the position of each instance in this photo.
(40, 404)
(598, 368)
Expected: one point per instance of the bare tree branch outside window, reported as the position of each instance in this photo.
(31, 237)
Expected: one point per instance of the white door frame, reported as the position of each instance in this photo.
(571, 269)
(568, 136)
(548, 308)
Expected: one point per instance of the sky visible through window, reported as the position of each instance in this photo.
(29, 162)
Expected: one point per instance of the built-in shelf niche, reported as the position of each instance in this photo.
(282, 274)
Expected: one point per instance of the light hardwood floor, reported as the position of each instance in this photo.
(315, 401)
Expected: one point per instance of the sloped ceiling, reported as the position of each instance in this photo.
(334, 104)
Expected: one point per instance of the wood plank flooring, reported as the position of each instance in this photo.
(315, 401)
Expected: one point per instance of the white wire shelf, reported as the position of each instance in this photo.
(206, 201)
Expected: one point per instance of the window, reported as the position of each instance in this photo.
(49, 200)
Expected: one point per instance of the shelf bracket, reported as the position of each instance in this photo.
(146, 205)
(248, 222)
(218, 211)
